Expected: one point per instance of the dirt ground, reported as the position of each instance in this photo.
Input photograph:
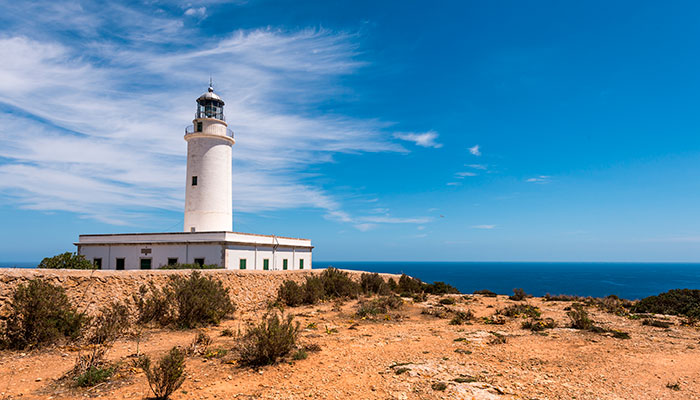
(402, 356)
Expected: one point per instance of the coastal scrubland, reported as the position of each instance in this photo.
(184, 334)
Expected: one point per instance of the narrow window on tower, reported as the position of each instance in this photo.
(194, 181)
(199, 126)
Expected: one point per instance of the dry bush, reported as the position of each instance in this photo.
(274, 337)
(485, 293)
(579, 317)
(153, 305)
(166, 377)
(519, 295)
(447, 301)
(374, 284)
(113, 321)
(39, 313)
(91, 369)
(199, 300)
(462, 317)
(657, 323)
(379, 305)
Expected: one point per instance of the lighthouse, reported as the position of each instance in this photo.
(208, 204)
(208, 237)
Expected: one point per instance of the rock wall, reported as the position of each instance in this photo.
(89, 289)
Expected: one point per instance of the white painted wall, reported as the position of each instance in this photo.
(208, 205)
(159, 254)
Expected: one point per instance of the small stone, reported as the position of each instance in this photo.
(38, 380)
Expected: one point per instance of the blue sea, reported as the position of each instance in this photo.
(626, 280)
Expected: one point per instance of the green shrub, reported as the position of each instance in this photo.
(112, 322)
(379, 305)
(291, 293)
(166, 377)
(191, 266)
(314, 290)
(408, 286)
(485, 293)
(538, 325)
(374, 284)
(447, 301)
(66, 260)
(438, 287)
(272, 338)
(439, 386)
(519, 295)
(579, 317)
(338, 284)
(91, 369)
(561, 297)
(300, 354)
(186, 301)
(684, 302)
(39, 314)
(93, 376)
(521, 310)
(393, 286)
(199, 300)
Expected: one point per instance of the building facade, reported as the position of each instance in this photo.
(207, 238)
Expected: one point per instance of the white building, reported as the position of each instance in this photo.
(207, 236)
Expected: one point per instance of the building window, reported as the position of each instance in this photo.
(194, 181)
(301, 264)
(199, 126)
(266, 264)
(284, 264)
(120, 264)
(199, 261)
(193, 229)
(145, 263)
(241, 263)
(97, 262)
(172, 261)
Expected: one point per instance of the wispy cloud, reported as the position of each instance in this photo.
(454, 183)
(467, 173)
(476, 166)
(539, 179)
(484, 226)
(426, 139)
(474, 150)
(93, 124)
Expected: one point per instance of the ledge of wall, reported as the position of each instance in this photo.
(90, 289)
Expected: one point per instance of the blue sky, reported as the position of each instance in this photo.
(546, 131)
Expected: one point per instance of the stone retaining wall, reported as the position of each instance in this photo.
(90, 289)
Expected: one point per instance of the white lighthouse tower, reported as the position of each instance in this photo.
(208, 206)
(208, 237)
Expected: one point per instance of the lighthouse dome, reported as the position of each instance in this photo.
(210, 95)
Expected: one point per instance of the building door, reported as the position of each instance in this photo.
(145, 263)
(266, 264)
(120, 264)
(284, 264)
(301, 264)
(241, 263)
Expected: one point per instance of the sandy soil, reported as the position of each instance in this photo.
(361, 360)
